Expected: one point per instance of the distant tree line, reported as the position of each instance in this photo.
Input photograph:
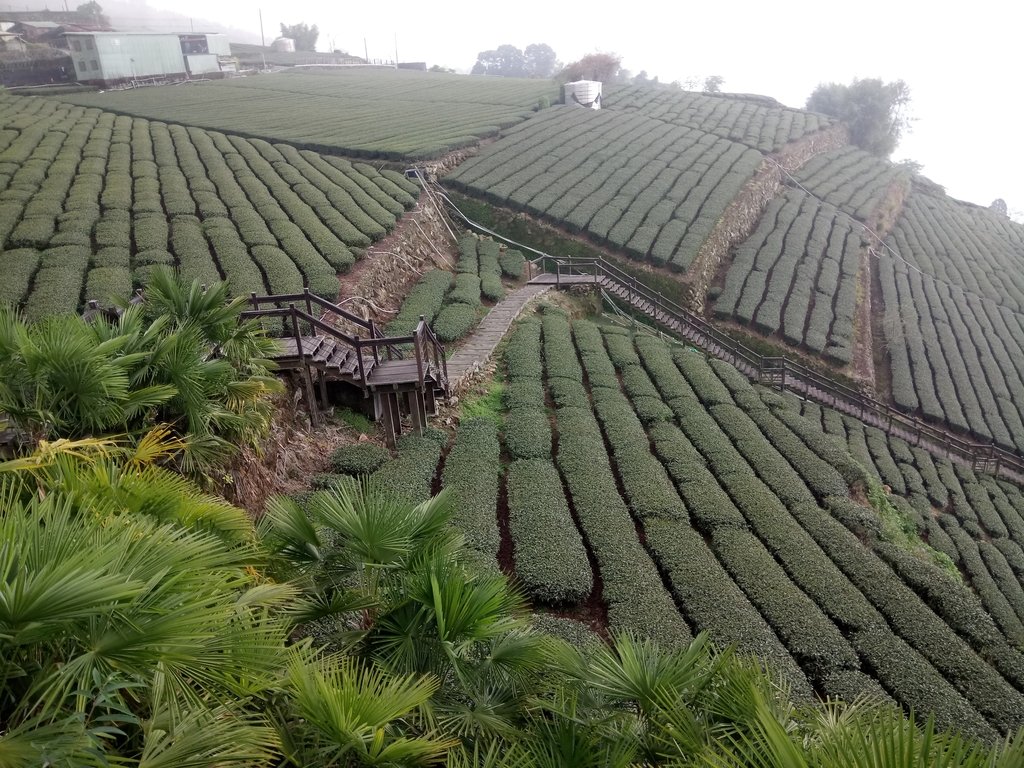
(876, 112)
(538, 60)
(305, 36)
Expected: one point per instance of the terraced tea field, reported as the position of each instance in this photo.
(91, 201)
(797, 275)
(758, 122)
(951, 278)
(395, 114)
(661, 493)
(652, 189)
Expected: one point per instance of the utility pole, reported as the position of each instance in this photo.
(263, 40)
(396, 50)
(366, 51)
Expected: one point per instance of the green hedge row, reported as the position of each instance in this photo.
(821, 477)
(807, 565)
(657, 360)
(410, 475)
(468, 262)
(1002, 495)
(425, 298)
(995, 602)
(528, 433)
(590, 345)
(620, 347)
(813, 640)
(560, 359)
(648, 489)
(714, 604)
(770, 465)
(878, 445)
(18, 266)
(512, 263)
(522, 351)
(632, 587)
(959, 607)
(707, 437)
(916, 684)
(488, 252)
(465, 290)
(701, 377)
(914, 622)
(980, 501)
(359, 459)
(551, 561)
(527, 426)
(472, 472)
(454, 321)
(934, 487)
(829, 449)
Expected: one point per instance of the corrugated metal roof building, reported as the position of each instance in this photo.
(107, 58)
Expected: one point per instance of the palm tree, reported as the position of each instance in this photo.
(387, 581)
(125, 638)
(181, 358)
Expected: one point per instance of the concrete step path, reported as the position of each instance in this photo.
(479, 346)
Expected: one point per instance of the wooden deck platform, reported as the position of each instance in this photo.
(397, 374)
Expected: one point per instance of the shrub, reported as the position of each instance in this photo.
(108, 284)
(524, 394)
(550, 558)
(17, 266)
(471, 473)
(813, 640)
(425, 298)
(359, 459)
(411, 473)
(913, 621)
(465, 290)
(512, 263)
(715, 604)
(637, 599)
(522, 351)
(528, 434)
(916, 683)
(454, 321)
(491, 287)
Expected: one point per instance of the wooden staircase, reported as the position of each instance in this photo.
(778, 372)
(405, 375)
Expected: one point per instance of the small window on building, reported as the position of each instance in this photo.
(94, 65)
(76, 44)
(88, 44)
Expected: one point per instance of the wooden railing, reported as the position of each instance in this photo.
(425, 346)
(780, 371)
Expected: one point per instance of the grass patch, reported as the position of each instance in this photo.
(901, 531)
(356, 420)
(486, 404)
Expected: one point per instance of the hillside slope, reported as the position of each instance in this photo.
(90, 201)
(775, 223)
(362, 112)
(693, 501)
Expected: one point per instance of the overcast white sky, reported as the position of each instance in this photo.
(962, 61)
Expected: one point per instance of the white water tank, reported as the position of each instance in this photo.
(283, 45)
(585, 93)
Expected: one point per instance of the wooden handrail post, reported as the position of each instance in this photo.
(417, 342)
(309, 303)
(359, 359)
(376, 354)
(295, 331)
